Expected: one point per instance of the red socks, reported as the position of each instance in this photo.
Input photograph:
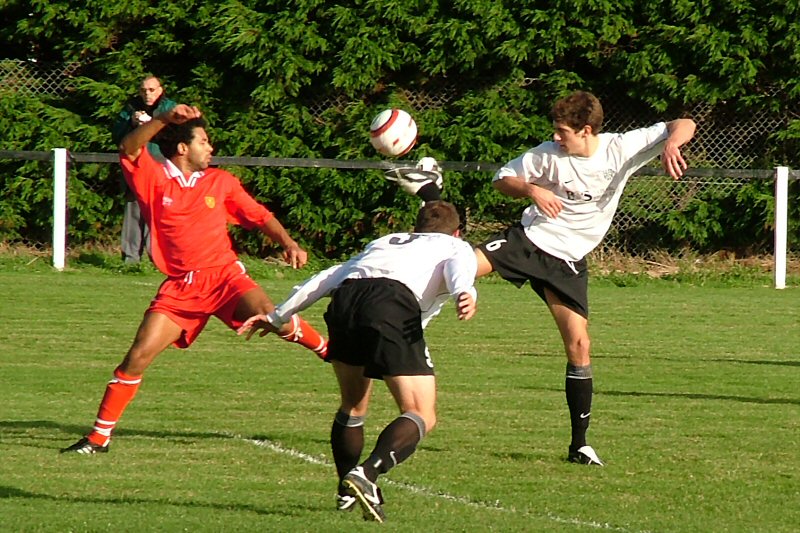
(122, 388)
(303, 334)
(119, 392)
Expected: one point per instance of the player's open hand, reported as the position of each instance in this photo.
(256, 323)
(672, 160)
(465, 306)
(295, 256)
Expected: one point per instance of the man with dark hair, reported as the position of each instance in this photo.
(574, 183)
(188, 207)
(140, 109)
(171, 137)
(382, 299)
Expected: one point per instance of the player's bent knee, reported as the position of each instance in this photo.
(137, 360)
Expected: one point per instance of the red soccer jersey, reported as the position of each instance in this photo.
(189, 215)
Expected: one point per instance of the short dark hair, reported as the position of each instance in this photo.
(437, 217)
(578, 110)
(172, 135)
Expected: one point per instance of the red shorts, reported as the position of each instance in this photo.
(192, 299)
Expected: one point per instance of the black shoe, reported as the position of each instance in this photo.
(368, 494)
(584, 455)
(85, 447)
(412, 179)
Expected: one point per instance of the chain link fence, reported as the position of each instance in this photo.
(31, 78)
(726, 139)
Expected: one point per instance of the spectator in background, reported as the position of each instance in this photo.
(139, 110)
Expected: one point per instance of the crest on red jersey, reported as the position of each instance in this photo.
(210, 202)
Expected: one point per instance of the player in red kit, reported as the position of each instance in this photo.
(188, 207)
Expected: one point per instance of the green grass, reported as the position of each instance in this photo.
(697, 413)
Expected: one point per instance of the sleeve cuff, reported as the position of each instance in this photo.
(275, 319)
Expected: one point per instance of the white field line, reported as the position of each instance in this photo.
(494, 506)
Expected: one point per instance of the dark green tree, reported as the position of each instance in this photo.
(304, 79)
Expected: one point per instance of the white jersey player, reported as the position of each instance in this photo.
(574, 184)
(588, 188)
(433, 266)
(381, 301)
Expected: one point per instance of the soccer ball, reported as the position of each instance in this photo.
(393, 132)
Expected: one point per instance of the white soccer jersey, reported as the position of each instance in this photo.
(433, 266)
(589, 187)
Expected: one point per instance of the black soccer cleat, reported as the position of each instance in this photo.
(85, 447)
(413, 179)
(584, 455)
(366, 492)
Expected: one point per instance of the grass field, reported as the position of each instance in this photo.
(697, 413)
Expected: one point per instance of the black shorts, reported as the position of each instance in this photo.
(376, 323)
(516, 259)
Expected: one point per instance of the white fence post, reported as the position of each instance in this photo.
(59, 207)
(781, 223)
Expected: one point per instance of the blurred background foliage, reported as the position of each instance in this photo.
(303, 79)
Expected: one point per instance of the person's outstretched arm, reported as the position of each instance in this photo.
(132, 144)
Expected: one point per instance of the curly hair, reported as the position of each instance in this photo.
(172, 135)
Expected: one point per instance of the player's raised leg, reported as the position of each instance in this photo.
(255, 301)
(423, 180)
(299, 331)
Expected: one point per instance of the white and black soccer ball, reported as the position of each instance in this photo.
(393, 132)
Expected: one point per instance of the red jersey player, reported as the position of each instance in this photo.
(188, 207)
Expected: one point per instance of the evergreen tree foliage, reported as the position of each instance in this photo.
(304, 78)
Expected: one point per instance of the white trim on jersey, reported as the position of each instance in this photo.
(173, 172)
(433, 266)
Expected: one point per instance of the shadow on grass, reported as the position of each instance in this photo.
(686, 395)
(21, 429)
(696, 396)
(95, 259)
(762, 362)
(7, 492)
(111, 263)
(79, 431)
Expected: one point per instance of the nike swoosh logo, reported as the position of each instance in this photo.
(585, 415)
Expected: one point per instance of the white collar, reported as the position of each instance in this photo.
(173, 172)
